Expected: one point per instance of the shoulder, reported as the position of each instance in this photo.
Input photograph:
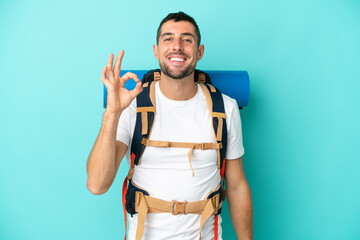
(228, 100)
(230, 104)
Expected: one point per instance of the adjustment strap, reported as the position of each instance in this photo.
(202, 146)
(144, 123)
(208, 211)
(220, 117)
(201, 78)
(157, 76)
(142, 212)
(144, 118)
(192, 146)
(146, 204)
(156, 205)
(145, 109)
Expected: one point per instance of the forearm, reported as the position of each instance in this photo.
(240, 207)
(101, 165)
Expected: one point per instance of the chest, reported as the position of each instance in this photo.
(182, 123)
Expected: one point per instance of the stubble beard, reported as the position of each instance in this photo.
(174, 74)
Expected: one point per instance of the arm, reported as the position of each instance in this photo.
(239, 199)
(107, 153)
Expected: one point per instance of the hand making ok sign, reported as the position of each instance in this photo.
(118, 97)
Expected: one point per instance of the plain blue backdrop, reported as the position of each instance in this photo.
(301, 127)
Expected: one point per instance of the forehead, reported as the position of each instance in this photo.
(177, 28)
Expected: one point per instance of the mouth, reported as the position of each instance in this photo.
(177, 60)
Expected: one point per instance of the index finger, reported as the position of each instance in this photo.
(117, 67)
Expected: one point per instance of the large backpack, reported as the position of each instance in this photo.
(137, 200)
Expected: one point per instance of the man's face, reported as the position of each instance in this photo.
(177, 50)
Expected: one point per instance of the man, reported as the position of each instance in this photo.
(181, 116)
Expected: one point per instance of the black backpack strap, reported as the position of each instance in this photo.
(145, 113)
(216, 107)
(152, 75)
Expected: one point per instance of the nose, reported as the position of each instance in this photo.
(177, 45)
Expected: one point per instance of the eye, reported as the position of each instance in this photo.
(188, 40)
(167, 39)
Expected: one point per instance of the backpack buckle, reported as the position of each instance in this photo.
(215, 201)
(178, 207)
(138, 196)
(203, 146)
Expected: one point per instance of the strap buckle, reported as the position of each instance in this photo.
(138, 196)
(203, 146)
(215, 201)
(144, 141)
(178, 207)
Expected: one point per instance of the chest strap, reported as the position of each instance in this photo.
(192, 146)
(146, 204)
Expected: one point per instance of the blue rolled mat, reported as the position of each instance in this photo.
(235, 84)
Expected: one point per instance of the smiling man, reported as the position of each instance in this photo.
(182, 63)
(176, 169)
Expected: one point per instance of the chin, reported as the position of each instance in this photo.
(177, 74)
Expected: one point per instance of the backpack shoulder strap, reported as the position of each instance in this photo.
(152, 75)
(145, 113)
(216, 108)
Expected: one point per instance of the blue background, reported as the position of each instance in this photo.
(301, 128)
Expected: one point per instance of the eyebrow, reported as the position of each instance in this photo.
(182, 34)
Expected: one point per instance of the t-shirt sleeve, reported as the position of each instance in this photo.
(123, 134)
(235, 148)
(126, 125)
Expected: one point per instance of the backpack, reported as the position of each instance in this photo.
(137, 200)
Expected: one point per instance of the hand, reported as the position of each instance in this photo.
(118, 97)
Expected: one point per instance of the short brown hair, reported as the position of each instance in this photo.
(177, 17)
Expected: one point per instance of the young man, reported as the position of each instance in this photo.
(181, 115)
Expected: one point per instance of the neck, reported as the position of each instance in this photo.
(178, 89)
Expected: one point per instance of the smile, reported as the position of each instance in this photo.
(177, 59)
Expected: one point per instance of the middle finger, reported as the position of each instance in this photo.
(110, 62)
(118, 61)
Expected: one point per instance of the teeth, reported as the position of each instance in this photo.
(177, 59)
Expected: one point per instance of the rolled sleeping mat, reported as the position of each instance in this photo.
(235, 84)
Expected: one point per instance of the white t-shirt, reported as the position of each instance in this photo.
(165, 173)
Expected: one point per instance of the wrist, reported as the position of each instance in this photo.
(112, 114)
(111, 120)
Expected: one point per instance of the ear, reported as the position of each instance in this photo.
(156, 51)
(200, 52)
